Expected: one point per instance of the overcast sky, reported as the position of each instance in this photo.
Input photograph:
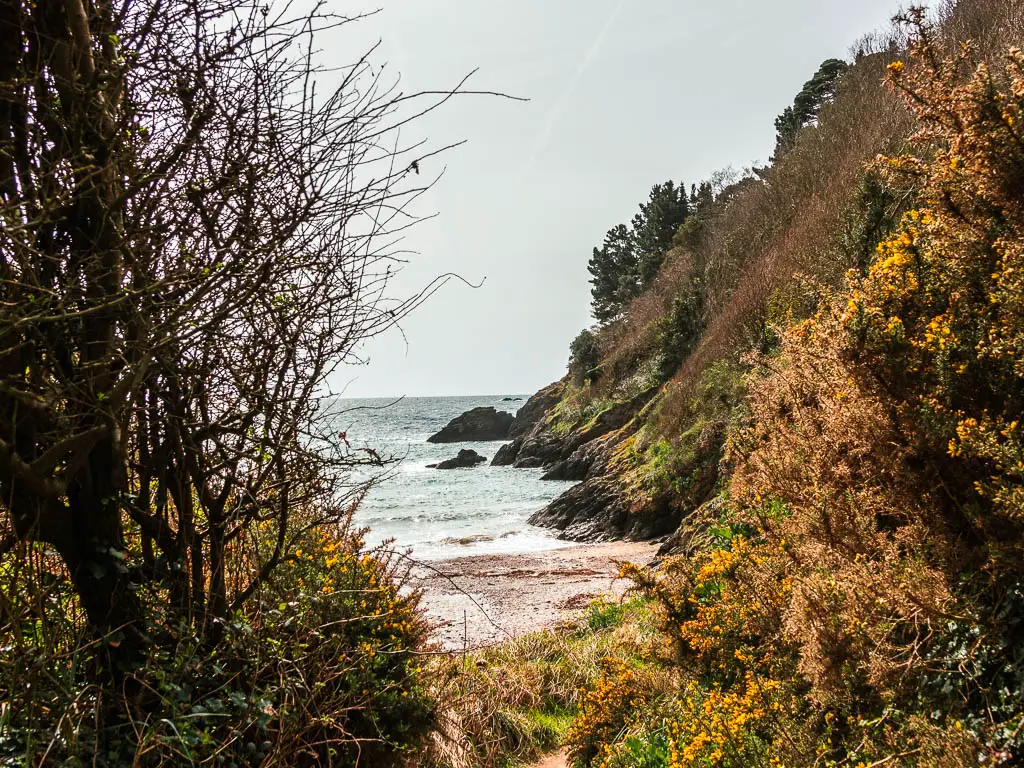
(623, 94)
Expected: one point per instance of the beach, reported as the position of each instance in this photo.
(480, 600)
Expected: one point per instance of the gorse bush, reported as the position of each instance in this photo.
(939, 320)
(615, 697)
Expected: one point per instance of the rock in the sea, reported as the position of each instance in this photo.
(507, 453)
(479, 424)
(527, 424)
(511, 399)
(467, 458)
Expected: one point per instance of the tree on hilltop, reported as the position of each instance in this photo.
(614, 273)
(817, 91)
(630, 257)
(657, 223)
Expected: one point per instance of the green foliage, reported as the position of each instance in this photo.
(680, 331)
(654, 227)
(687, 466)
(690, 232)
(578, 407)
(614, 270)
(584, 357)
(607, 614)
(875, 215)
(648, 749)
(518, 699)
(325, 667)
(808, 102)
(630, 257)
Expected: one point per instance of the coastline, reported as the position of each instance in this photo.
(480, 600)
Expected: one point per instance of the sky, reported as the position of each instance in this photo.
(623, 94)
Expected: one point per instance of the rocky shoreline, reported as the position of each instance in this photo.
(600, 507)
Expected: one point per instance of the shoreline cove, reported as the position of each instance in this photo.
(480, 600)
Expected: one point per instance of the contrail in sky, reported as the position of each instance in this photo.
(585, 62)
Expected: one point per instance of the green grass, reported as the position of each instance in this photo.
(515, 701)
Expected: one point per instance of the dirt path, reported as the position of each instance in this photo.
(553, 761)
(484, 599)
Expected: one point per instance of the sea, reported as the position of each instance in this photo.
(444, 513)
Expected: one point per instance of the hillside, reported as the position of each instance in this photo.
(805, 381)
(813, 388)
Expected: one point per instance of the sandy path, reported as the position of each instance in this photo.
(553, 761)
(483, 599)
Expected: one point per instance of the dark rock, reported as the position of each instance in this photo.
(589, 460)
(511, 399)
(466, 458)
(597, 509)
(541, 448)
(479, 424)
(529, 421)
(529, 462)
(590, 511)
(507, 453)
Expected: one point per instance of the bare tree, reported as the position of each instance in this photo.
(194, 237)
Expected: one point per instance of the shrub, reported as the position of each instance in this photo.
(939, 320)
(513, 701)
(322, 670)
(680, 330)
(618, 694)
(584, 356)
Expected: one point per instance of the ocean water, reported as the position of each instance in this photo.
(445, 513)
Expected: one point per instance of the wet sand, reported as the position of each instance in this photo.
(483, 599)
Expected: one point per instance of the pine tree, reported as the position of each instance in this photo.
(613, 269)
(816, 92)
(654, 227)
(631, 255)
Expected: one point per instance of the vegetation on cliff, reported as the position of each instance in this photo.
(836, 343)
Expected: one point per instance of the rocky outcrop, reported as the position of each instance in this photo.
(543, 448)
(466, 459)
(597, 509)
(507, 453)
(536, 408)
(476, 425)
(589, 460)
